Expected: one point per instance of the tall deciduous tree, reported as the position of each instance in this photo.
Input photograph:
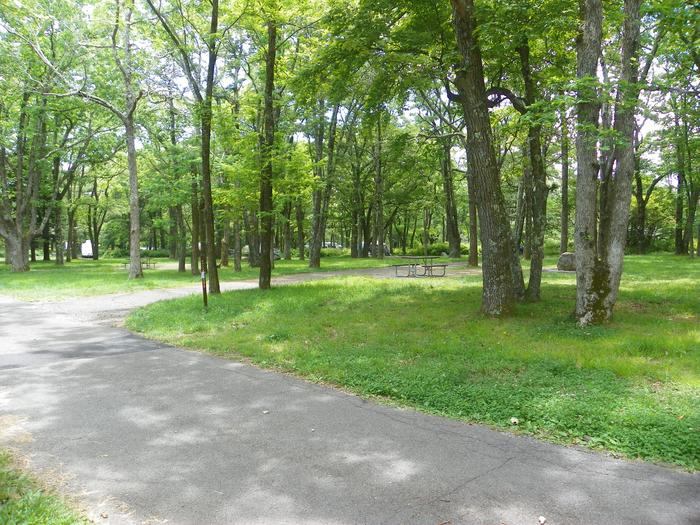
(600, 244)
(502, 277)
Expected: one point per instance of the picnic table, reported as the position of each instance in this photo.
(146, 263)
(426, 264)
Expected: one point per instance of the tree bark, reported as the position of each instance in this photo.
(287, 230)
(196, 227)
(378, 193)
(266, 205)
(135, 271)
(473, 224)
(564, 239)
(500, 267)
(206, 116)
(237, 244)
(451, 219)
(58, 230)
(181, 245)
(599, 265)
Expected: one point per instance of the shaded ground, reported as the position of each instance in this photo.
(145, 432)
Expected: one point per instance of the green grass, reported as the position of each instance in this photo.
(23, 502)
(632, 387)
(46, 281)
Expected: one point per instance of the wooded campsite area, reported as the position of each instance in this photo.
(248, 130)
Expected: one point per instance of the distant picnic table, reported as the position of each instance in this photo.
(420, 266)
(147, 263)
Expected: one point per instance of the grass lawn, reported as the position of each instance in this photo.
(82, 277)
(23, 502)
(632, 387)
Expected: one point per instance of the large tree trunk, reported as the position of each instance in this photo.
(19, 219)
(18, 250)
(206, 116)
(537, 189)
(135, 271)
(589, 285)
(599, 268)
(498, 250)
(266, 205)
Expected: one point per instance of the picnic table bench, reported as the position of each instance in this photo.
(429, 268)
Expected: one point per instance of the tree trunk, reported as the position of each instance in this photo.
(427, 219)
(181, 244)
(58, 229)
(287, 230)
(225, 242)
(564, 239)
(266, 205)
(196, 227)
(237, 245)
(537, 188)
(378, 193)
(451, 219)
(473, 225)
(500, 267)
(172, 232)
(599, 268)
(690, 221)
(135, 271)
(520, 207)
(680, 188)
(300, 229)
(252, 232)
(46, 243)
(324, 175)
(18, 250)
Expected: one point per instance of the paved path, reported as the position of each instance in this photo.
(146, 433)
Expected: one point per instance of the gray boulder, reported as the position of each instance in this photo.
(567, 262)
